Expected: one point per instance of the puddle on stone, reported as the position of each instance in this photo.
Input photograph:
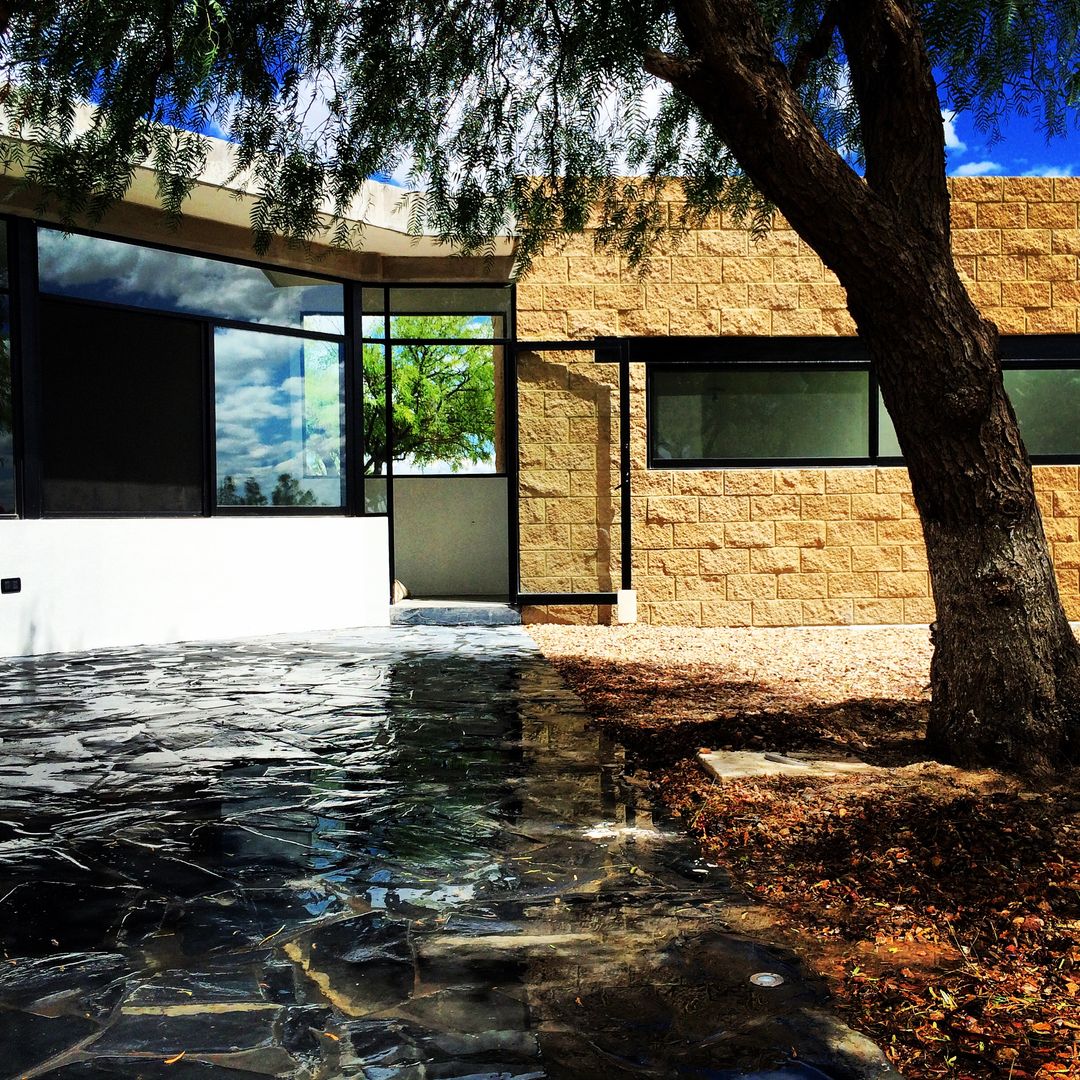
(383, 854)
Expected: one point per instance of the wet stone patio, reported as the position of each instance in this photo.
(388, 854)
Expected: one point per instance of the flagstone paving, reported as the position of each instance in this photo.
(386, 854)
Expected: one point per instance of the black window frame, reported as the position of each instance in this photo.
(1018, 351)
(25, 288)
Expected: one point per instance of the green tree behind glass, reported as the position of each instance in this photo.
(443, 396)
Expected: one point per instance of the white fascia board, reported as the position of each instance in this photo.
(380, 212)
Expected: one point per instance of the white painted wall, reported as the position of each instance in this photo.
(90, 584)
(450, 535)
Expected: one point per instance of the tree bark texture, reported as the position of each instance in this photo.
(1005, 674)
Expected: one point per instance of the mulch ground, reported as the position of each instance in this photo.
(942, 905)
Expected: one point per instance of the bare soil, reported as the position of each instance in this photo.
(942, 905)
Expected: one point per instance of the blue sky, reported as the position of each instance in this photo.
(1023, 151)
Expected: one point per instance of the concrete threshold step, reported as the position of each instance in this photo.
(453, 613)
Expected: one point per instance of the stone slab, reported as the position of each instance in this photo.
(741, 764)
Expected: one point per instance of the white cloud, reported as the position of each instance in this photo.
(977, 168)
(952, 140)
(1050, 170)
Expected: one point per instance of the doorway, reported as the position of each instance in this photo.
(434, 423)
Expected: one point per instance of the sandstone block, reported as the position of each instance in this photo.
(878, 612)
(825, 507)
(848, 585)
(827, 612)
(718, 562)
(724, 508)
(802, 586)
(850, 481)
(903, 584)
(775, 560)
(826, 560)
(775, 507)
(669, 511)
(876, 507)
(873, 559)
(777, 612)
(726, 613)
(675, 613)
(803, 534)
(748, 534)
(839, 533)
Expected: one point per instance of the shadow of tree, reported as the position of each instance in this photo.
(667, 711)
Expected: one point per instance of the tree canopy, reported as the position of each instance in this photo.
(506, 113)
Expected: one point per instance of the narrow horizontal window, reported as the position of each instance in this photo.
(90, 268)
(730, 415)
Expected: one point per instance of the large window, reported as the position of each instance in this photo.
(827, 409)
(280, 420)
(173, 383)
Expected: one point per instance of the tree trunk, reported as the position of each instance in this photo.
(1005, 676)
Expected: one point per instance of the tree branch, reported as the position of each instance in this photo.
(669, 67)
(742, 89)
(816, 47)
(899, 107)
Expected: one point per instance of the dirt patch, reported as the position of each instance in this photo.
(943, 905)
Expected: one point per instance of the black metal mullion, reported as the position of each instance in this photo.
(388, 390)
(352, 457)
(209, 421)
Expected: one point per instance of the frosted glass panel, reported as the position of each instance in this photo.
(888, 444)
(701, 416)
(1047, 405)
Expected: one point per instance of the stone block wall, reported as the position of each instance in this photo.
(762, 547)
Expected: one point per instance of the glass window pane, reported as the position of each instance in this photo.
(748, 415)
(7, 415)
(448, 300)
(888, 444)
(280, 420)
(109, 270)
(444, 326)
(122, 397)
(444, 409)
(1047, 405)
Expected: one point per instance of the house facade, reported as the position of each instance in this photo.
(767, 487)
(196, 442)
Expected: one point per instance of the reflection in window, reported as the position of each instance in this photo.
(94, 269)
(280, 421)
(726, 414)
